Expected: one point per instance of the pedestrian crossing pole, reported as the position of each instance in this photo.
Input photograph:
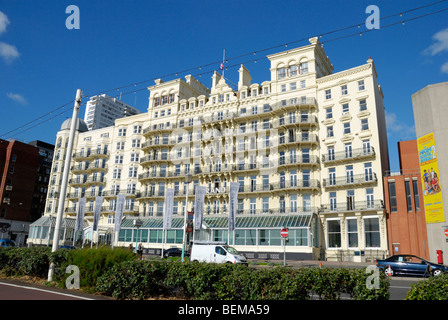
(63, 191)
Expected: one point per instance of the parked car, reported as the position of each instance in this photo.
(406, 264)
(216, 252)
(174, 252)
(7, 243)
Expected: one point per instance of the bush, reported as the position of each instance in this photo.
(92, 263)
(25, 261)
(434, 288)
(143, 279)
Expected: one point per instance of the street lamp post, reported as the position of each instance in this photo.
(188, 178)
(137, 223)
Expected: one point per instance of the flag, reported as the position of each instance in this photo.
(169, 199)
(97, 212)
(222, 65)
(199, 207)
(233, 203)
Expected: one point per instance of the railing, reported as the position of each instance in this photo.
(353, 206)
(350, 180)
(349, 155)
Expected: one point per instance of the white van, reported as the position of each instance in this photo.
(217, 252)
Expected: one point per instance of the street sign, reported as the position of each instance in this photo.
(446, 232)
(284, 233)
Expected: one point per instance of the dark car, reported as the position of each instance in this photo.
(410, 265)
(174, 252)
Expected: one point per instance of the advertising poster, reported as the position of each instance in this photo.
(429, 170)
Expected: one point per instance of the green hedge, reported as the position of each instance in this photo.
(118, 273)
(434, 288)
(207, 281)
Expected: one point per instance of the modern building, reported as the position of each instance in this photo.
(430, 105)
(308, 148)
(406, 223)
(24, 171)
(102, 110)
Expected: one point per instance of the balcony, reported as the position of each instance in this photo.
(280, 186)
(353, 206)
(352, 155)
(350, 181)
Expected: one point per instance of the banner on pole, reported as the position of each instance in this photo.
(199, 206)
(119, 211)
(169, 202)
(233, 202)
(97, 212)
(80, 215)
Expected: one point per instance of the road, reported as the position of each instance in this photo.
(17, 290)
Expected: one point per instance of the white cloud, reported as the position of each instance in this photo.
(4, 21)
(445, 67)
(396, 126)
(16, 97)
(440, 45)
(8, 52)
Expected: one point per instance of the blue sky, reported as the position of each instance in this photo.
(42, 63)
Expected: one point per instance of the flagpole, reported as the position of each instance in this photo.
(223, 60)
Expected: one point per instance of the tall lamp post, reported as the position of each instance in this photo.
(137, 223)
(188, 178)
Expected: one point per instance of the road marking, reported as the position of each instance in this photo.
(47, 291)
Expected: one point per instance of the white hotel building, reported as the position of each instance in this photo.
(308, 148)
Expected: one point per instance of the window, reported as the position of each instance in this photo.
(362, 105)
(352, 233)
(328, 94)
(407, 186)
(293, 203)
(392, 196)
(334, 233)
(347, 128)
(416, 195)
(345, 108)
(349, 174)
(293, 85)
(361, 85)
(283, 88)
(330, 132)
(350, 199)
(120, 145)
(121, 132)
(304, 68)
(306, 202)
(368, 173)
(281, 73)
(364, 124)
(348, 150)
(293, 71)
(333, 201)
(329, 113)
(369, 198)
(302, 84)
(344, 90)
(330, 153)
(253, 205)
(372, 232)
(265, 204)
(118, 159)
(332, 176)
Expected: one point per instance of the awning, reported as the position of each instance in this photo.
(222, 222)
(46, 221)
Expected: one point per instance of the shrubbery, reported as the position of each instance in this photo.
(118, 273)
(207, 281)
(435, 288)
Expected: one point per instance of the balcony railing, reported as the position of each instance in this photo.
(349, 155)
(350, 180)
(353, 206)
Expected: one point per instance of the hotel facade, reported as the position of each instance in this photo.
(308, 148)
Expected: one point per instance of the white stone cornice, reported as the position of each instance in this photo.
(344, 73)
